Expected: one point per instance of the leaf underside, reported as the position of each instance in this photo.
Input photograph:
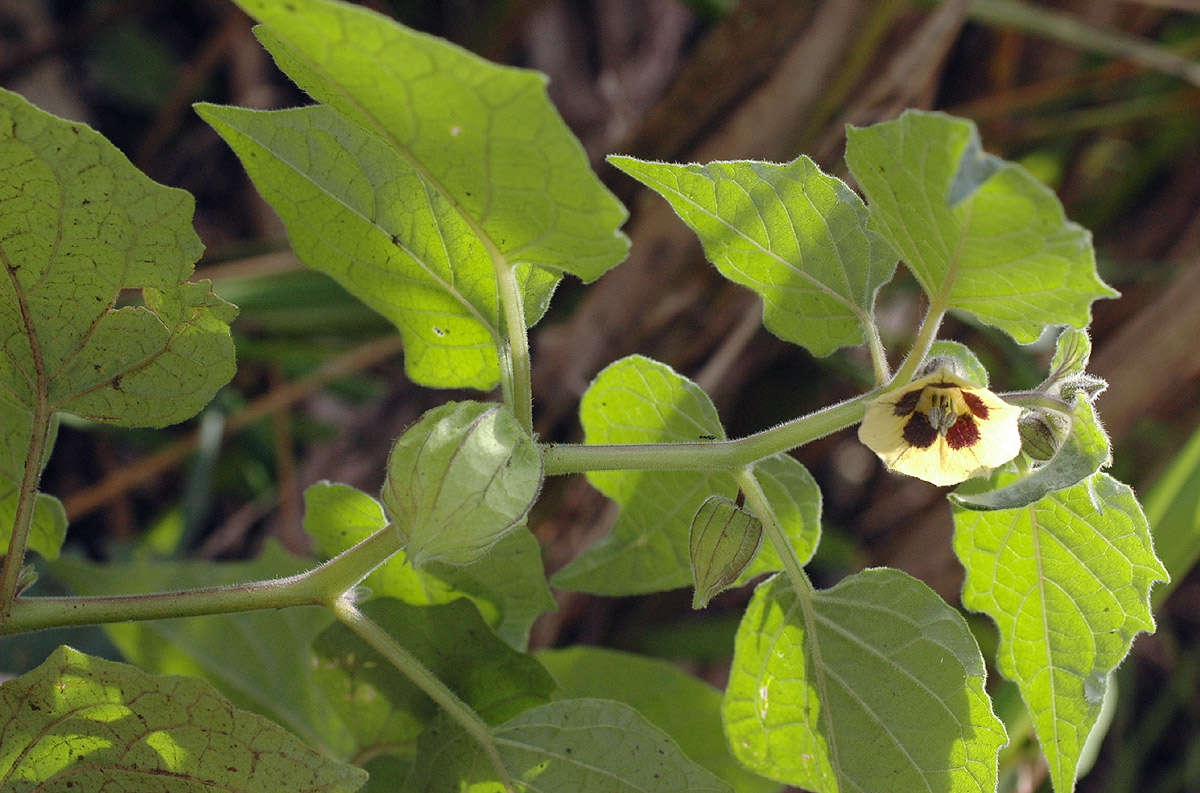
(878, 687)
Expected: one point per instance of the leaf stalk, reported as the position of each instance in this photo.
(756, 499)
(519, 390)
(26, 503)
(427, 681)
(319, 586)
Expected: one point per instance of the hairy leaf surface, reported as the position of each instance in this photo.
(879, 686)
(1067, 580)
(83, 723)
(639, 400)
(796, 236)
(981, 235)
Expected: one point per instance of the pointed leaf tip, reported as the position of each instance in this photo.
(980, 234)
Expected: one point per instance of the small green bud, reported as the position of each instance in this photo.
(1086, 385)
(1041, 435)
(724, 541)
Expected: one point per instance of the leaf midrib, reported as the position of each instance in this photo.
(497, 257)
(860, 313)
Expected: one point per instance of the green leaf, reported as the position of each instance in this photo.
(460, 479)
(1067, 580)
(1068, 378)
(357, 210)
(981, 235)
(796, 236)
(875, 684)
(1072, 351)
(507, 585)
(687, 709)
(637, 400)
(83, 723)
(439, 166)
(261, 660)
(80, 225)
(724, 541)
(568, 746)
(795, 499)
(385, 710)
(1084, 452)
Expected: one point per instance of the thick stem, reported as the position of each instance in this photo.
(519, 394)
(569, 458)
(756, 499)
(878, 354)
(26, 503)
(424, 679)
(318, 586)
(921, 345)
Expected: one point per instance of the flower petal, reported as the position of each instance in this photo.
(897, 426)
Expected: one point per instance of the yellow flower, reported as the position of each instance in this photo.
(941, 428)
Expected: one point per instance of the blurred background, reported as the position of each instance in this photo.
(1098, 98)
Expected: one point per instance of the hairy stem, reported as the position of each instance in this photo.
(878, 354)
(519, 392)
(424, 679)
(756, 499)
(569, 458)
(921, 345)
(319, 586)
(26, 503)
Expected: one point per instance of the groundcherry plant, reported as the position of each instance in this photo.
(446, 193)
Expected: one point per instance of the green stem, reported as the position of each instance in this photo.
(1036, 399)
(318, 586)
(424, 679)
(921, 344)
(26, 504)
(878, 354)
(569, 458)
(756, 499)
(520, 391)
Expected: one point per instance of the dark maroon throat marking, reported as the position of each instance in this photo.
(975, 404)
(907, 403)
(919, 432)
(964, 433)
